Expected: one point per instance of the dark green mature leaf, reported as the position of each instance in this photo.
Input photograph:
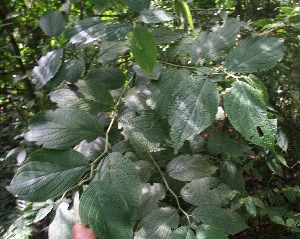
(182, 49)
(70, 71)
(208, 47)
(144, 48)
(255, 54)
(100, 3)
(42, 175)
(62, 128)
(209, 232)
(156, 16)
(110, 50)
(194, 107)
(119, 174)
(105, 211)
(206, 190)
(247, 112)
(162, 90)
(93, 149)
(93, 29)
(145, 132)
(52, 23)
(226, 220)
(183, 232)
(165, 35)
(233, 176)
(145, 170)
(136, 97)
(190, 167)
(47, 68)
(158, 224)
(137, 5)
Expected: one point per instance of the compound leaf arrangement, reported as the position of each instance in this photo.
(155, 94)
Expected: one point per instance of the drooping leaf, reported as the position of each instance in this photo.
(145, 170)
(282, 140)
(209, 232)
(137, 5)
(43, 212)
(151, 195)
(158, 224)
(145, 132)
(227, 221)
(52, 23)
(143, 74)
(155, 16)
(190, 167)
(194, 107)
(206, 190)
(102, 208)
(209, 47)
(182, 49)
(70, 71)
(136, 97)
(183, 232)
(247, 112)
(47, 68)
(255, 54)
(62, 128)
(162, 90)
(110, 50)
(93, 29)
(93, 149)
(119, 174)
(233, 176)
(42, 175)
(144, 48)
(165, 35)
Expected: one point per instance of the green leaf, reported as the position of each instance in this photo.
(47, 67)
(190, 167)
(274, 165)
(110, 50)
(43, 212)
(206, 190)
(158, 224)
(233, 176)
(209, 232)
(62, 128)
(181, 49)
(247, 112)
(137, 5)
(144, 48)
(145, 169)
(255, 54)
(93, 149)
(155, 16)
(162, 90)
(259, 85)
(282, 140)
(93, 29)
(194, 107)
(136, 97)
(100, 3)
(119, 174)
(229, 222)
(43, 175)
(151, 195)
(102, 208)
(250, 206)
(145, 132)
(209, 47)
(183, 232)
(52, 23)
(165, 35)
(70, 71)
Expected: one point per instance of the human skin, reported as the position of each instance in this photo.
(79, 231)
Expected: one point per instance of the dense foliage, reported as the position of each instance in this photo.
(153, 119)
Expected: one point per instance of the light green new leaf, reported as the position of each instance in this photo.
(144, 48)
(93, 29)
(209, 47)
(62, 128)
(155, 16)
(206, 190)
(162, 90)
(52, 23)
(209, 232)
(119, 173)
(47, 67)
(255, 54)
(194, 107)
(145, 132)
(137, 5)
(247, 112)
(158, 224)
(227, 221)
(110, 50)
(43, 175)
(190, 167)
(183, 232)
(105, 211)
